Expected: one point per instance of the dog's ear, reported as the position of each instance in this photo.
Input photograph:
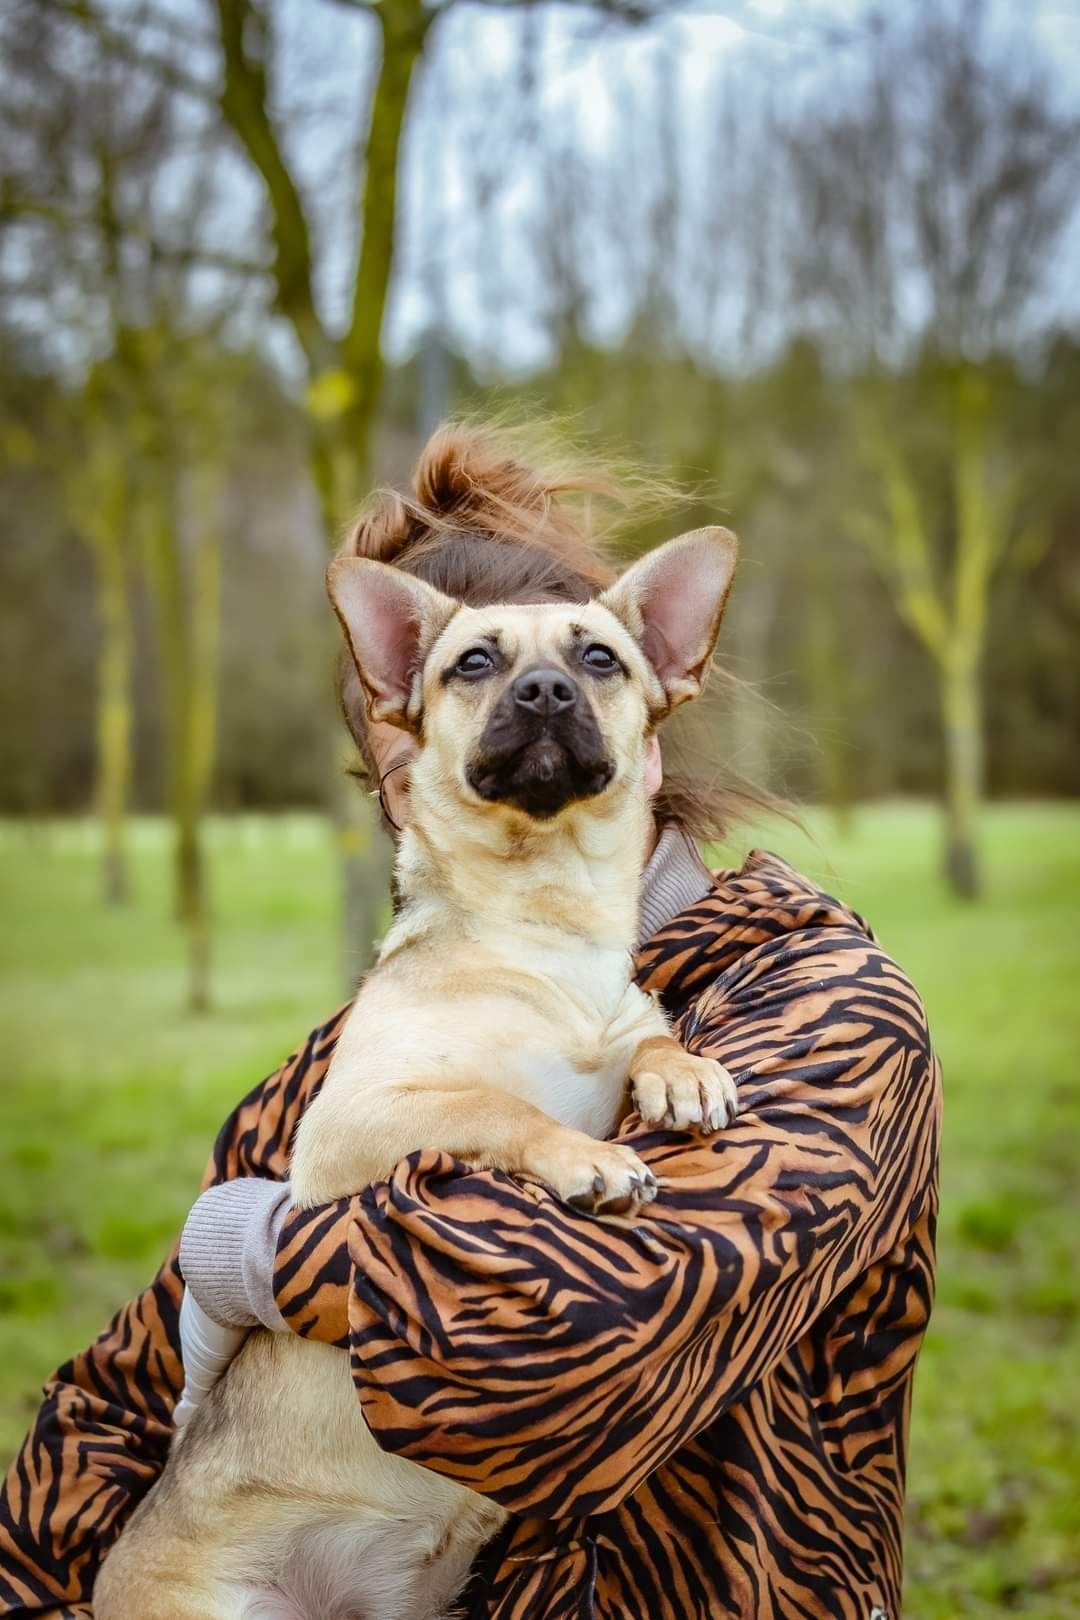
(672, 602)
(390, 621)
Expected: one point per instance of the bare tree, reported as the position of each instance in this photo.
(99, 496)
(230, 69)
(930, 196)
(84, 180)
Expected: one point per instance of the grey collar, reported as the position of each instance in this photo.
(675, 877)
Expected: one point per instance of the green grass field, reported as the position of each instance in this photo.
(111, 1097)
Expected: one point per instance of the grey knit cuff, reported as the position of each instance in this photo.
(228, 1248)
(674, 878)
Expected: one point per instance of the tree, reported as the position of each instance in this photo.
(232, 76)
(929, 197)
(344, 367)
(100, 501)
(941, 583)
(88, 176)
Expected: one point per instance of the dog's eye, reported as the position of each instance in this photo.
(600, 658)
(476, 661)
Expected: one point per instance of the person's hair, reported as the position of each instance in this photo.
(501, 515)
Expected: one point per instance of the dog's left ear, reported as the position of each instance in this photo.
(390, 620)
(672, 601)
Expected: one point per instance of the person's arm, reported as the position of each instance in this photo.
(102, 1433)
(551, 1360)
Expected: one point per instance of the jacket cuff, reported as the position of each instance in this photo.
(228, 1248)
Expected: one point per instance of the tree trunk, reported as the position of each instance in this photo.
(114, 711)
(403, 26)
(188, 641)
(193, 902)
(366, 865)
(200, 731)
(827, 664)
(341, 448)
(962, 731)
(344, 377)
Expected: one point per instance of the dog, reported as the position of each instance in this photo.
(500, 1023)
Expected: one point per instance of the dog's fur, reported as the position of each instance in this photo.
(500, 1023)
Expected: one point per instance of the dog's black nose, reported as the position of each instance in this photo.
(544, 691)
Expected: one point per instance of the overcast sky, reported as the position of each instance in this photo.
(467, 96)
(797, 46)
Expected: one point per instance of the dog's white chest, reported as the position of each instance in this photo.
(589, 1101)
(583, 1082)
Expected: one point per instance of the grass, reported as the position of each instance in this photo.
(111, 1097)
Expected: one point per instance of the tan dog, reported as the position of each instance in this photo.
(500, 1024)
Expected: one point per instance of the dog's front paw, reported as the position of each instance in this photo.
(680, 1092)
(599, 1176)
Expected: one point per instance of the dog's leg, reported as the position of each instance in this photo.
(345, 1142)
(673, 1088)
(151, 1592)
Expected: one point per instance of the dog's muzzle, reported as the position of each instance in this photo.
(542, 748)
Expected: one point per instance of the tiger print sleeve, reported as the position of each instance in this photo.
(102, 1432)
(551, 1360)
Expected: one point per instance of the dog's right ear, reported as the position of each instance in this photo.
(390, 620)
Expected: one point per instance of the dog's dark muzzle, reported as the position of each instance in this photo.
(542, 748)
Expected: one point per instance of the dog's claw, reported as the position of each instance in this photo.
(592, 1175)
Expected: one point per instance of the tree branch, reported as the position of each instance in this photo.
(119, 45)
(902, 551)
(403, 25)
(14, 205)
(244, 106)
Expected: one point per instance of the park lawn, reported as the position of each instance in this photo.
(111, 1097)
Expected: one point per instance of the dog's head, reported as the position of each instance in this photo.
(533, 709)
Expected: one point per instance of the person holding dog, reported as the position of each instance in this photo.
(698, 1412)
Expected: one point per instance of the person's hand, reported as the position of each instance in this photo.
(206, 1349)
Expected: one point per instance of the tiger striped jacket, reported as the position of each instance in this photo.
(700, 1416)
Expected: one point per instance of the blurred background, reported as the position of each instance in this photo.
(818, 261)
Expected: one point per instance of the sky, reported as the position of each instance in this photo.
(796, 45)
(468, 89)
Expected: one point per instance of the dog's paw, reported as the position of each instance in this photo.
(603, 1177)
(680, 1092)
